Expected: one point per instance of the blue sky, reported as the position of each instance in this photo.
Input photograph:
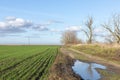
(44, 20)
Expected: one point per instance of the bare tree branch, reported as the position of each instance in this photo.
(89, 32)
(114, 27)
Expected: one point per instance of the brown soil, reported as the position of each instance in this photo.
(62, 68)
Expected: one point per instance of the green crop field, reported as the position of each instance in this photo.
(26, 62)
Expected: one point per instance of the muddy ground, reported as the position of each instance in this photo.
(62, 68)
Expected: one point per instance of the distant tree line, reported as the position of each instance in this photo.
(112, 27)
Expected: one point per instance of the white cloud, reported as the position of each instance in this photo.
(3, 25)
(12, 22)
(18, 25)
(44, 26)
(14, 25)
(40, 27)
(73, 28)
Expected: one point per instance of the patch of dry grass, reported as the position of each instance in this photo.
(110, 52)
(109, 75)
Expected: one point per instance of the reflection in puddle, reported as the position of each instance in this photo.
(87, 70)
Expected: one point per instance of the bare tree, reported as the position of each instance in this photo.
(113, 27)
(89, 30)
(109, 39)
(69, 37)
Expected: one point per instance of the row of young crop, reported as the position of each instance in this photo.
(8, 71)
(34, 67)
(48, 65)
(19, 58)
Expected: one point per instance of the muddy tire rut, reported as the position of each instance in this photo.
(62, 68)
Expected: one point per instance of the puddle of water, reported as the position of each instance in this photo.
(87, 70)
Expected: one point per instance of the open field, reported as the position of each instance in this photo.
(26, 62)
(54, 63)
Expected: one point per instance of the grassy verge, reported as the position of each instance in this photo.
(109, 75)
(107, 52)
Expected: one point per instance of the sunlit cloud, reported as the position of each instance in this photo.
(13, 25)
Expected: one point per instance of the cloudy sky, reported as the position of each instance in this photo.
(43, 21)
